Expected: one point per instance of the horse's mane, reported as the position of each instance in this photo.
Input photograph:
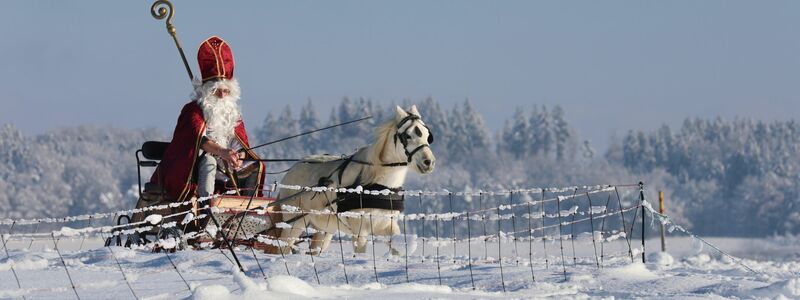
(382, 134)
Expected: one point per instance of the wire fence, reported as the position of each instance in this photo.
(502, 229)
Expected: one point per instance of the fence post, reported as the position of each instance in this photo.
(661, 211)
(641, 203)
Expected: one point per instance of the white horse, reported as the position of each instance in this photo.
(400, 144)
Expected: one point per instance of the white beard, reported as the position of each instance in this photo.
(221, 115)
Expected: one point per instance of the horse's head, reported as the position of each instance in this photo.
(413, 139)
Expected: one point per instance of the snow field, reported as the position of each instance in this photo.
(564, 246)
(683, 273)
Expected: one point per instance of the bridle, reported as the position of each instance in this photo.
(403, 136)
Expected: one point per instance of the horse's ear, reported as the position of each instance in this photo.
(400, 113)
(414, 110)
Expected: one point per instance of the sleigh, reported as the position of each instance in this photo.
(220, 221)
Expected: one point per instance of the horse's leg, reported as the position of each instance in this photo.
(387, 225)
(360, 244)
(310, 220)
(360, 226)
(394, 230)
(320, 242)
(292, 235)
(284, 236)
(288, 236)
(326, 224)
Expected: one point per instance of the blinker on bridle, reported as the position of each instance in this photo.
(403, 136)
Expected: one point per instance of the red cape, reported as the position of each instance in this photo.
(174, 173)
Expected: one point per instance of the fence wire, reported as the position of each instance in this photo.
(569, 216)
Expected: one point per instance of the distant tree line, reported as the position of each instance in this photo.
(69, 171)
(738, 176)
(721, 177)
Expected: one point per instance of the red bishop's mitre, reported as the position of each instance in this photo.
(215, 59)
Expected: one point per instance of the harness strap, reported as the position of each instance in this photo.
(394, 164)
(410, 117)
(342, 167)
(411, 154)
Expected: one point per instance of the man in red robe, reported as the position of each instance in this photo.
(210, 135)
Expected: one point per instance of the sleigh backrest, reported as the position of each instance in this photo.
(154, 150)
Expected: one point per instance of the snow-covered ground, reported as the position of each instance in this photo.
(689, 270)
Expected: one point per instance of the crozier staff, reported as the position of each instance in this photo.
(209, 132)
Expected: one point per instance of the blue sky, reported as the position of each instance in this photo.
(613, 65)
